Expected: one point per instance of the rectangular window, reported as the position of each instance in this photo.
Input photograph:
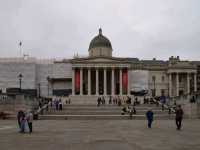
(163, 79)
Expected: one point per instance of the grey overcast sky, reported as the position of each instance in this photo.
(136, 28)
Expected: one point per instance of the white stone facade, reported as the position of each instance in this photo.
(51, 75)
(100, 74)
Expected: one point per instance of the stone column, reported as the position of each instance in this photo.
(188, 83)
(170, 85)
(113, 82)
(73, 81)
(97, 81)
(195, 82)
(177, 84)
(81, 81)
(105, 82)
(129, 86)
(120, 80)
(89, 81)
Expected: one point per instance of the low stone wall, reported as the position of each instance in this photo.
(190, 110)
(198, 110)
(12, 104)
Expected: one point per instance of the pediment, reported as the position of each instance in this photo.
(99, 60)
(102, 60)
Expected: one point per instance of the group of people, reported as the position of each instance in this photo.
(101, 100)
(115, 100)
(25, 119)
(56, 104)
(128, 109)
(178, 118)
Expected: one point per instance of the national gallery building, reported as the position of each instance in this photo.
(99, 73)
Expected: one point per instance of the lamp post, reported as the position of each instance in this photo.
(48, 85)
(154, 86)
(39, 90)
(20, 76)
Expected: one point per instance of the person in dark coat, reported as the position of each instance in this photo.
(29, 119)
(98, 101)
(179, 117)
(110, 100)
(149, 115)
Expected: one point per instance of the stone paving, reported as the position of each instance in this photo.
(101, 135)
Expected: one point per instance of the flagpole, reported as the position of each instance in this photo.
(20, 48)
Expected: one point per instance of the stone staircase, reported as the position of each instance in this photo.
(103, 112)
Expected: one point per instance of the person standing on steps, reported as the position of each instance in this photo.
(179, 117)
(149, 115)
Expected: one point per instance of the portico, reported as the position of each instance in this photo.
(100, 80)
(182, 82)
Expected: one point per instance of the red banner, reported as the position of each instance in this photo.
(125, 81)
(77, 80)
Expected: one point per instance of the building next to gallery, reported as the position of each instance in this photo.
(100, 73)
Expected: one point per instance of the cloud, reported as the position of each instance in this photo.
(136, 28)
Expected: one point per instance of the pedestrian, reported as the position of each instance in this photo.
(163, 101)
(123, 110)
(179, 117)
(103, 100)
(149, 115)
(29, 119)
(57, 104)
(110, 100)
(131, 112)
(60, 104)
(98, 101)
(113, 98)
(20, 114)
(22, 124)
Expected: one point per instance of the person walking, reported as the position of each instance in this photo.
(179, 117)
(29, 119)
(149, 115)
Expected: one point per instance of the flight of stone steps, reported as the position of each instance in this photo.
(103, 112)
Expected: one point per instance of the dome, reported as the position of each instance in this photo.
(100, 41)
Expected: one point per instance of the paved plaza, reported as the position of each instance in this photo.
(101, 135)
